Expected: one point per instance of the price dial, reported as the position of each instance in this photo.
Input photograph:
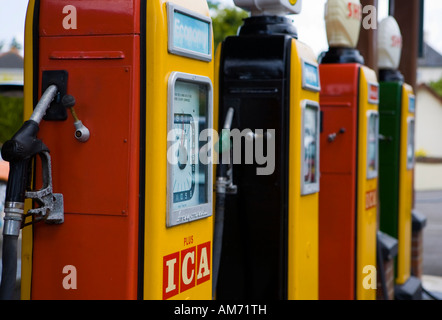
(189, 180)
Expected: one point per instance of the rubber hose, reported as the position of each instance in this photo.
(9, 267)
(218, 238)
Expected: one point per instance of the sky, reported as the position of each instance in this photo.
(12, 21)
(311, 25)
(310, 22)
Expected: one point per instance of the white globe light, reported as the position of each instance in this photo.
(389, 44)
(270, 7)
(343, 22)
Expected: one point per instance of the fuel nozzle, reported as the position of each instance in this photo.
(82, 133)
(19, 151)
(224, 186)
(224, 181)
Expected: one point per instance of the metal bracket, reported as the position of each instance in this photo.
(225, 184)
(51, 208)
(56, 111)
(332, 136)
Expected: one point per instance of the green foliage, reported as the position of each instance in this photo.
(11, 116)
(226, 21)
(15, 44)
(213, 4)
(437, 86)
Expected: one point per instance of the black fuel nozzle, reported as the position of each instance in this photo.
(19, 151)
(224, 182)
(224, 186)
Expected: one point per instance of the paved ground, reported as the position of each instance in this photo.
(430, 204)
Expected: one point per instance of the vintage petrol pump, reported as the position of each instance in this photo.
(349, 166)
(137, 198)
(268, 86)
(396, 154)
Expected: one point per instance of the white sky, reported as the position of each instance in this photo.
(310, 22)
(311, 25)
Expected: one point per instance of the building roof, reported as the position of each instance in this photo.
(431, 57)
(11, 60)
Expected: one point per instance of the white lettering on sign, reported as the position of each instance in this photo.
(194, 260)
(70, 20)
(187, 279)
(203, 270)
(170, 275)
(191, 33)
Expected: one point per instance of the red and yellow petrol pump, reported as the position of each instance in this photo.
(268, 91)
(349, 153)
(137, 199)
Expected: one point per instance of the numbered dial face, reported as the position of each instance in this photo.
(184, 170)
(187, 179)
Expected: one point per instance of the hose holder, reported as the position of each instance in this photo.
(51, 206)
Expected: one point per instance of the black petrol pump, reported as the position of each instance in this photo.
(268, 86)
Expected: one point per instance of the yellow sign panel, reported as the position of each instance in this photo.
(406, 185)
(368, 127)
(303, 215)
(177, 261)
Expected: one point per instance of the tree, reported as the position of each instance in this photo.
(437, 86)
(15, 44)
(226, 20)
(11, 116)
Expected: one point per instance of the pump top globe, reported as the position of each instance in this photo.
(389, 44)
(343, 22)
(270, 7)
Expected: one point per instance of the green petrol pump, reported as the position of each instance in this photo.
(396, 156)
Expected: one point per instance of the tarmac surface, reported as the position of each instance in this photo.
(429, 203)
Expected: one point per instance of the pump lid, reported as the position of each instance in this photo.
(389, 44)
(270, 7)
(343, 22)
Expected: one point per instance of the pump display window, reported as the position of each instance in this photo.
(372, 145)
(410, 144)
(310, 149)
